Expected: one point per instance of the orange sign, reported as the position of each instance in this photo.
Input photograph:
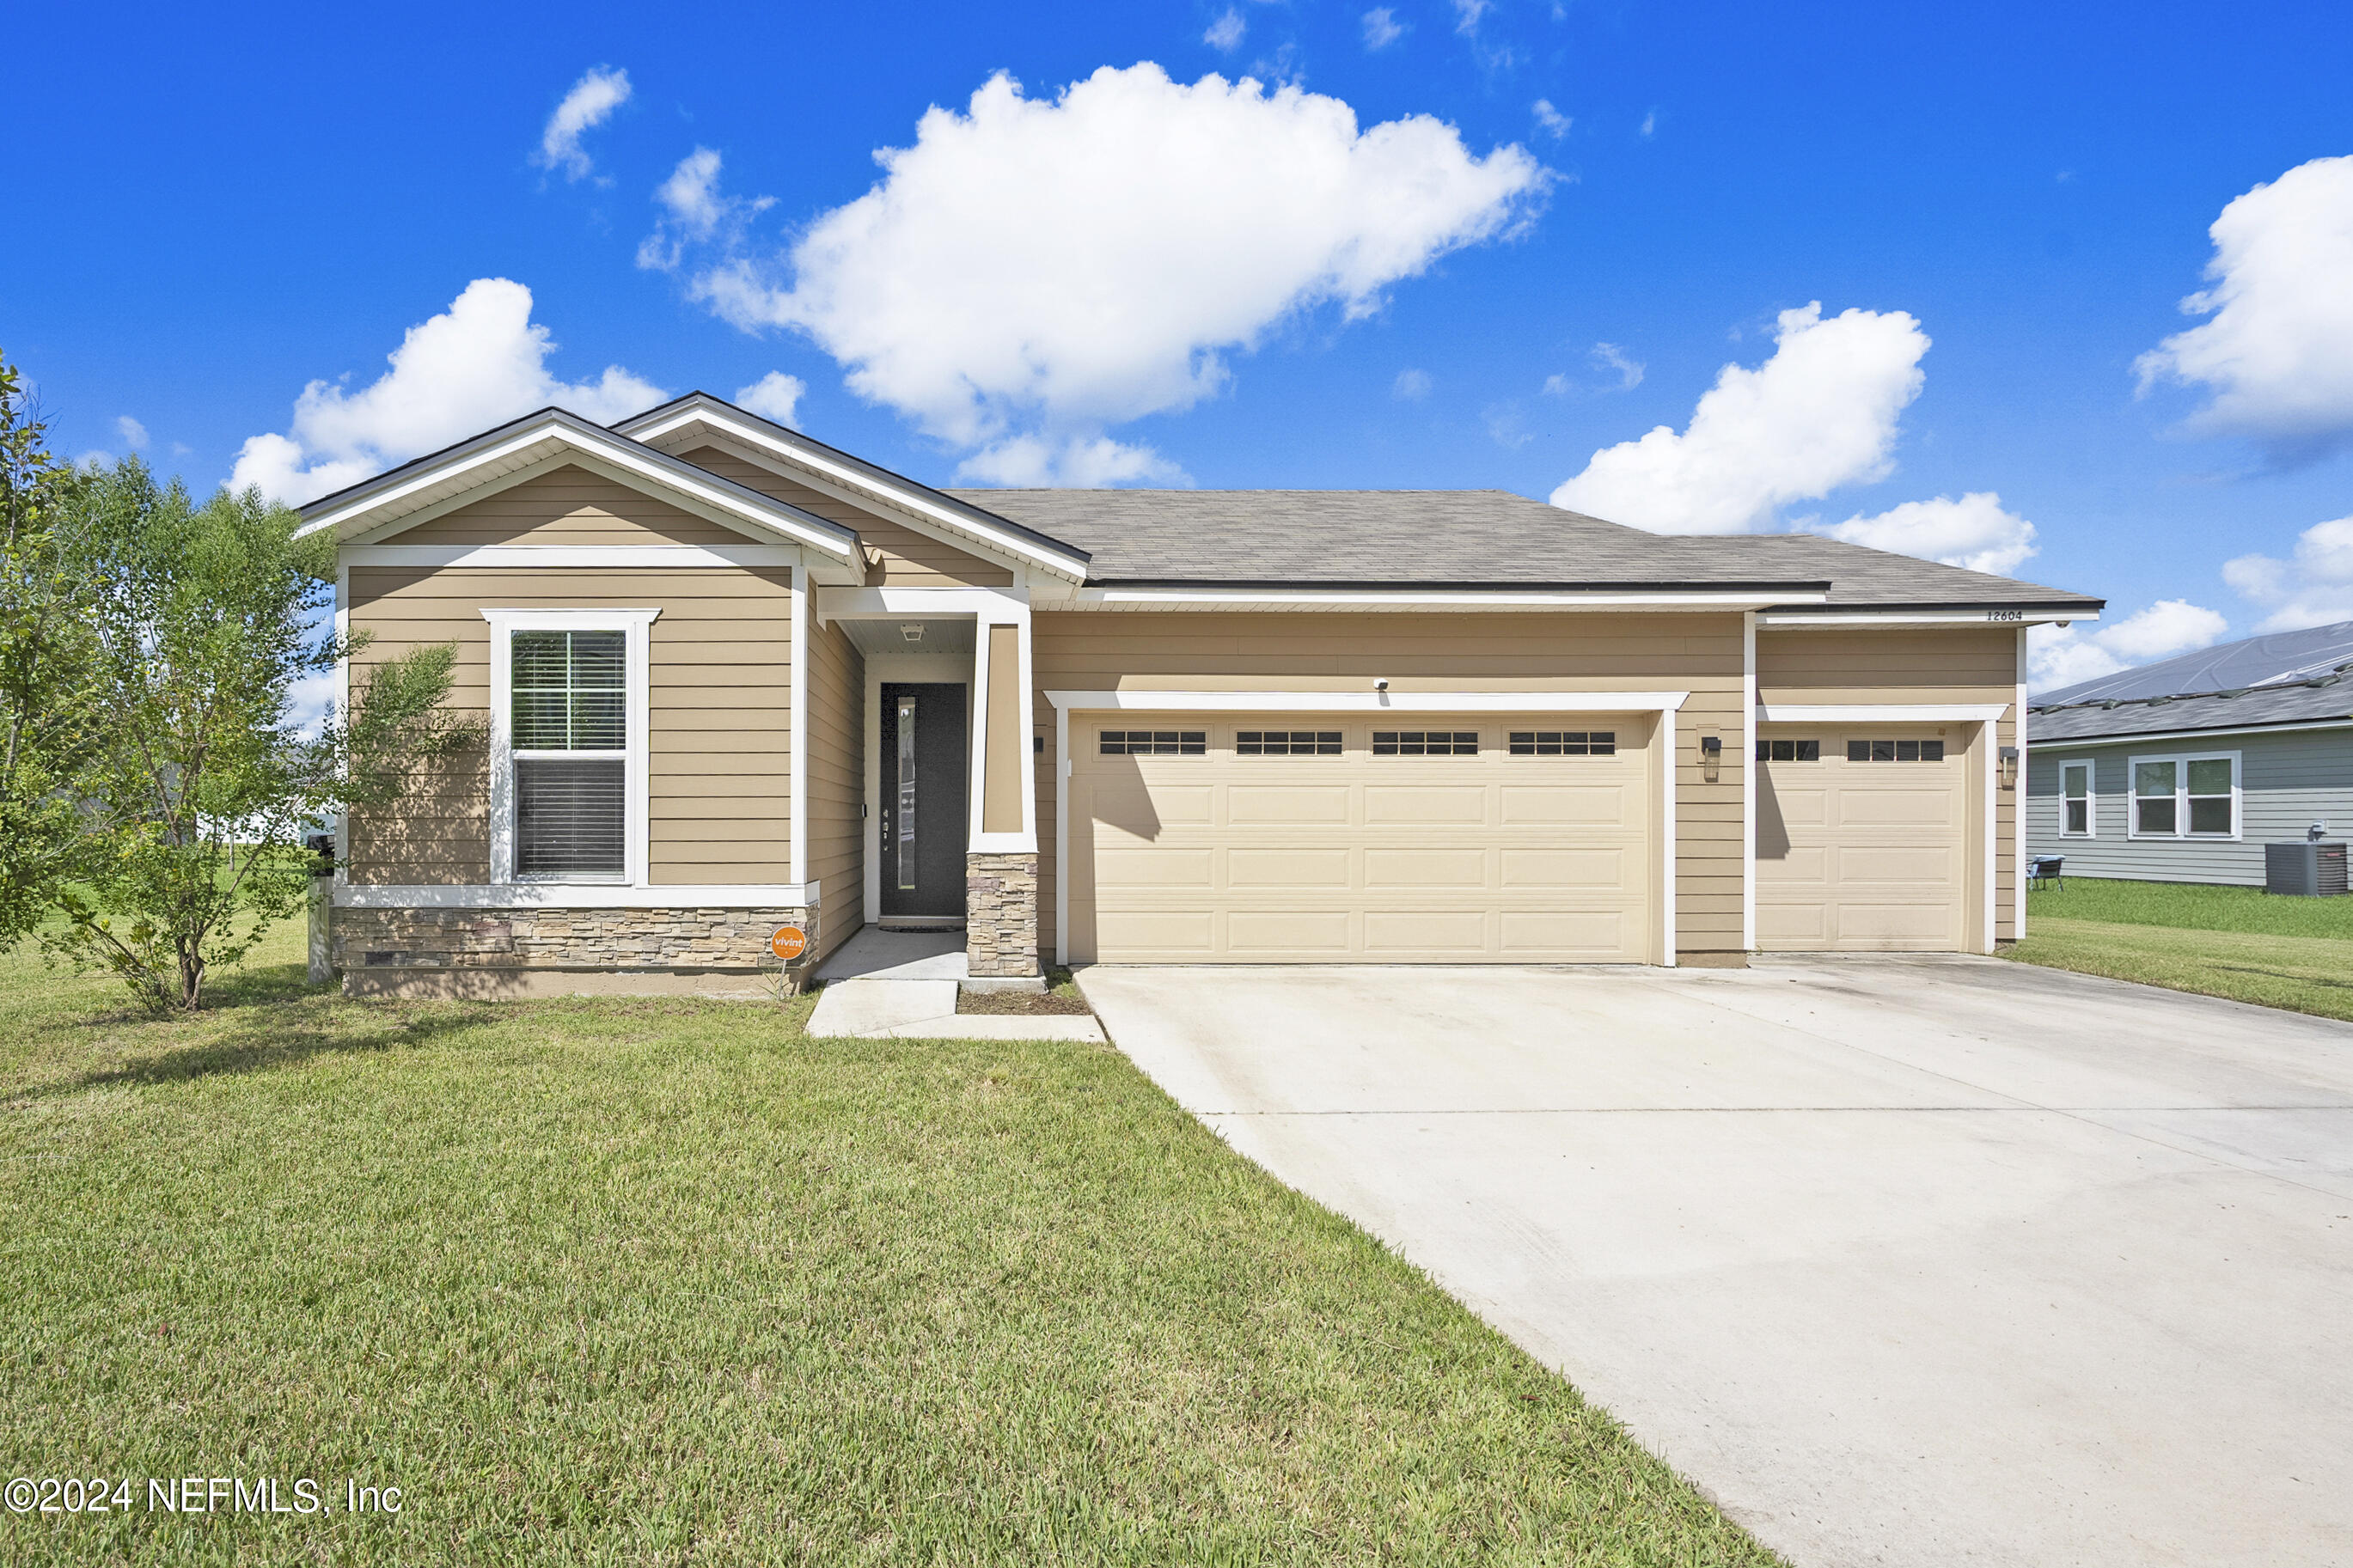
(789, 942)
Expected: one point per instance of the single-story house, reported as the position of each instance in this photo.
(2182, 771)
(737, 679)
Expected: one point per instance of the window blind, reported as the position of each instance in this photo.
(571, 726)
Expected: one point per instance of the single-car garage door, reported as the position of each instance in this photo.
(1275, 838)
(1863, 840)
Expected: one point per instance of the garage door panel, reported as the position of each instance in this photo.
(1409, 933)
(1563, 868)
(1287, 868)
(1280, 804)
(1876, 855)
(1288, 932)
(1157, 867)
(1568, 935)
(1480, 856)
(1426, 805)
(1464, 867)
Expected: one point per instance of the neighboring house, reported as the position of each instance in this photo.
(736, 679)
(2181, 772)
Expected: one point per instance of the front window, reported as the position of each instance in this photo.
(2076, 799)
(2186, 798)
(570, 718)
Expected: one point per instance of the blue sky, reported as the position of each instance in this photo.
(1547, 231)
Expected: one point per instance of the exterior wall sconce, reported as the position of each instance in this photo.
(2009, 767)
(1711, 757)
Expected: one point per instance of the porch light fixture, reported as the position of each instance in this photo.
(2009, 767)
(911, 630)
(1711, 757)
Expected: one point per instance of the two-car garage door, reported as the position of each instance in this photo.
(1446, 838)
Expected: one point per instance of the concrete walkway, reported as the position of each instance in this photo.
(883, 984)
(1921, 1261)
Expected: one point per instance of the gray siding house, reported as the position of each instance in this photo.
(2181, 772)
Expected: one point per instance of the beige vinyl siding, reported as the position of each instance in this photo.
(836, 781)
(719, 733)
(567, 506)
(909, 559)
(1338, 651)
(1913, 664)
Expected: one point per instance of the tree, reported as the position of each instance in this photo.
(47, 721)
(202, 625)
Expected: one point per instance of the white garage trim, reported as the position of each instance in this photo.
(1376, 702)
(1879, 712)
(1663, 703)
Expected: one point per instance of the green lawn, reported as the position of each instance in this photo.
(2239, 942)
(669, 1282)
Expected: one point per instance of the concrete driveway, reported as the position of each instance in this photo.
(1903, 1260)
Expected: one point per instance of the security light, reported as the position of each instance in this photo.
(911, 630)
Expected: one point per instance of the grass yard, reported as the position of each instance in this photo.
(2239, 942)
(665, 1281)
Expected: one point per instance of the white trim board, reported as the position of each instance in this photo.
(1434, 598)
(2183, 736)
(576, 896)
(1881, 712)
(1372, 701)
(530, 557)
(1844, 620)
(725, 419)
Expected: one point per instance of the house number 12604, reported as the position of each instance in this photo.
(2005, 614)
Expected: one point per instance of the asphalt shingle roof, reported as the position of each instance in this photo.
(1463, 538)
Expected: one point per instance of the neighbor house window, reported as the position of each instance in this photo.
(2075, 800)
(1155, 743)
(1895, 751)
(2186, 796)
(1425, 742)
(1789, 750)
(1564, 742)
(570, 737)
(1287, 743)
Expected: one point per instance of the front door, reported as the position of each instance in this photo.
(924, 784)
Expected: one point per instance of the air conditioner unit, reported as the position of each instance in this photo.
(2305, 870)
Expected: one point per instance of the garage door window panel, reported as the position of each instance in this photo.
(1287, 743)
(1564, 742)
(1789, 750)
(1425, 742)
(1153, 742)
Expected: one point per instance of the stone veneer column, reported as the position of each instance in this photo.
(1000, 916)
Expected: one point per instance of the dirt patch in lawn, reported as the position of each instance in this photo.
(1021, 1002)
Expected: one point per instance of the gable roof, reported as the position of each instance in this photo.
(521, 448)
(1468, 538)
(2287, 678)
(938, 511)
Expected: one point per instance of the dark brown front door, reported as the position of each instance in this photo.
(924, 785)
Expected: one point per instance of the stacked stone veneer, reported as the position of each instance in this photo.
(1000, 915)
(685, 939)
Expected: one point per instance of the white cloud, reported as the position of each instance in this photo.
(2277, 351)
(2066, 656)
(1382, 28)
(1226, 32)
(1650, 126)
(1046, 267)
(1820, 414)
(774, 395)
(694, 211)
(1468, 13)
(134, 434)
(1083, 462)
(1507, 426)
(479, 364)
(1411, 386)
(2315, 589)
(588, 105)
(1974, 531)
(1551, 121)
(1609, 356)
(1557, 384)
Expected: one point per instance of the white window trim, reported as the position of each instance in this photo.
(2091, 800)
(636, 625)
(2181, 833)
